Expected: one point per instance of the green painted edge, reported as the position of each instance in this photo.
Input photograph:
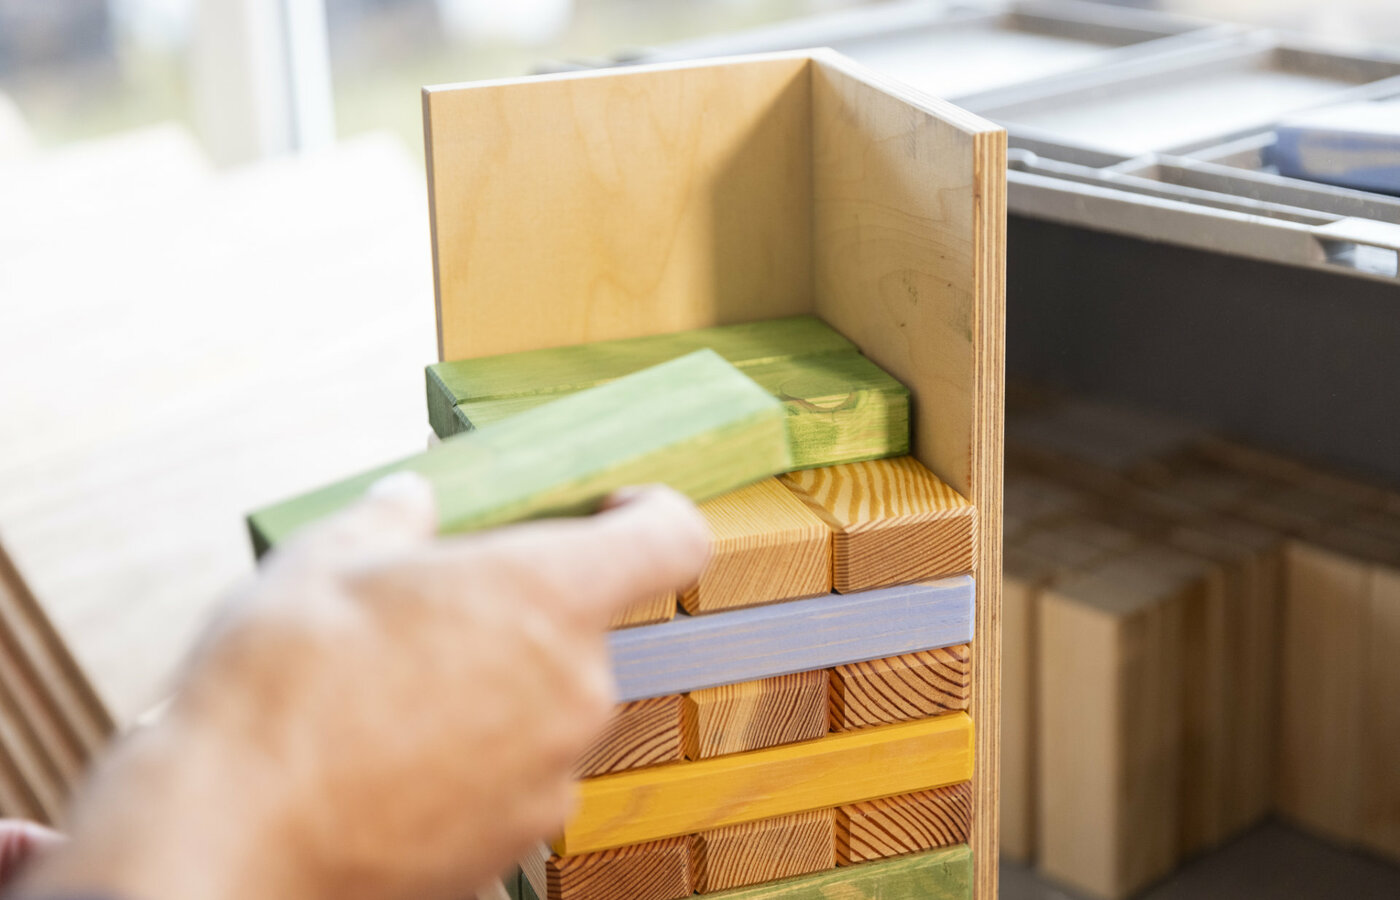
(944, 874)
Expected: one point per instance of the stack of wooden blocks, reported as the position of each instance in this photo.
(762, 742)
(1198, 634)
(814, 704)
(51, 720)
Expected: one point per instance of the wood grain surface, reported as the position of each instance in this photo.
(751, 715)
(907, 823)
(695, 423)
(899, 688)
(892, 521)
(657, 870)
(766, 850)
(694, 652)
(765, 545)
(945, 874)
(640, 733)
(688, 797)
(648, 612)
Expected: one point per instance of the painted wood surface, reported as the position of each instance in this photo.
(640, 733)
(752, 715)
(945, 874)
(892, 521)
(657, 870)
(765, 545)
(899, 688)
(766, 850)
(648, 612)
(695, 423)
(907, 823)
(694, 652)
(688, 797)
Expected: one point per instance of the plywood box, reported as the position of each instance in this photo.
(602, 205)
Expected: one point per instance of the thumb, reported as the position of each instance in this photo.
(396, 512)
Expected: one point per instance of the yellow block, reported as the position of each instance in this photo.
(683, 798)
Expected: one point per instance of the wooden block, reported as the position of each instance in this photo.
(840, 407)
(648, 612)
(694, 652)
(1323, 669)
(640, 733)
(1110, 724)
(695, 423)
(1380, 809)
(658, 870)
(899, 688)
(944, 874)
(684, 798)
(907, 823)
(892, 521)
(1022, 580)
(755, 714)
(766, 850)
(765, 546)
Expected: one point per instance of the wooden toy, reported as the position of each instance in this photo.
(695, 422)
(752, 715)
(765, 546)
(766, 850)
(658, 870)
(688, 797)
(892, 521)
(641, 733)
(908, 823)
(900, 688)
(694, 652)
(649, 612)
(945, 874)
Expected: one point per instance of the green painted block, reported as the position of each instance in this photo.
(695, 423)
(944, 874)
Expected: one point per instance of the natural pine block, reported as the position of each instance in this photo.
(755, 714)
(648, 612)
(640, 733)
(900, 688)
(1380, 810)
(689, 797)
(694, 652)
(755, 852)
(944, 874)
(765, 545)
(1022, 580)
(892, 521)
(695, 423)
(908, 823)
(659, 870)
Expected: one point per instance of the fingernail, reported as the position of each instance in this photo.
(401, 487)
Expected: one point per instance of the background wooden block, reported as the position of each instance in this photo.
(765, 546)
(695, 423)
(892, 521)
(899, 688)
(755, 852)
(694, 652)
(648, 612)
(688, 797)
(658, 870)
(1380, 755)
(944, 874)
(908, 823)
(640, 733)
(755, 714)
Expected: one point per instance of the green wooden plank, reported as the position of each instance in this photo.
(527, 891)
(840, 408)
(944, 874)
(695, 423)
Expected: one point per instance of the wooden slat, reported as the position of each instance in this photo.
(684, 798)
(765, 546)
(755, 852)
(908, 823)
(752, 715)
(900, 688)
(892, 521)
(658, 870)
(696, 652)
(640, 733)
(648, 612)
(695, 423)
(945, 874)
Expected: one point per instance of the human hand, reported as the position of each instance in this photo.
(382, 713)
(20, 844)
